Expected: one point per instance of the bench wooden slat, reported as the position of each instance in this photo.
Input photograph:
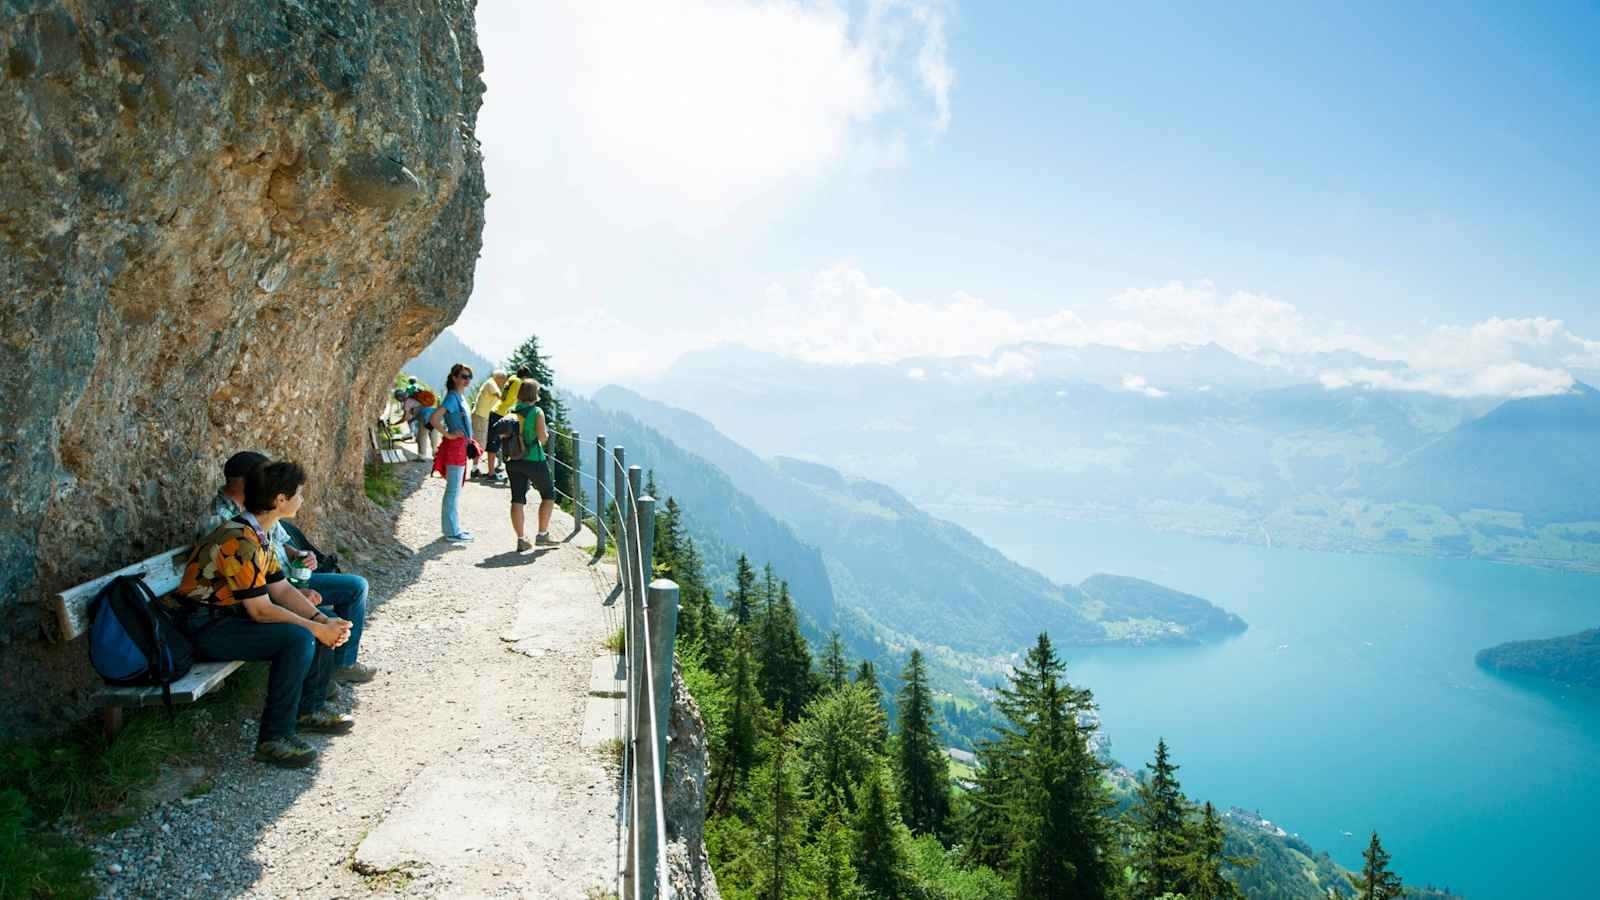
(203, 678)
(161, 572)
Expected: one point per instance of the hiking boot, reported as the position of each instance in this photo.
(543, 539)
(325, 722)
(523, 546)
(355, 673)
(286, 752)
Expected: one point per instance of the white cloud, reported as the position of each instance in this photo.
(1510, 379)
(1009, 364)
(846, 318)
(1137, 385)
(680, 111)
(849, 319)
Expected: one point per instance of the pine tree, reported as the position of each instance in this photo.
(711, 627)
(828, 866)
(777, 801)
(1063, 843)
(835, 669)
(986, 829)
(769, 587)
(786, 677)
(742, 603)
(1207, 858)
(745, 713)
(1161, 832)
(867, 677)
(881, 852)
(1376, 882)
(1039, 807)
(924, 771)
(835, 742)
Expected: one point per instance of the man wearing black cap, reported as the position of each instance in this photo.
(346, 593)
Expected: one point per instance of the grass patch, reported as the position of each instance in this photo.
(392, 881)
(611, 546)
(78, 778)
(35, 862)
(383, 487)
(617, 642)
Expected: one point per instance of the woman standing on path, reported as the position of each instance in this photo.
(452, 420)
(532, 466)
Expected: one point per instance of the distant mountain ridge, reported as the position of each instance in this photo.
(1189, 439)
(434, 362)
(918, 576)
(1535, 456)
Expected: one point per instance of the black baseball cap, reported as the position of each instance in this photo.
(240, 464)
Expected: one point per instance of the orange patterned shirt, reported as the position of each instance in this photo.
(228, 566)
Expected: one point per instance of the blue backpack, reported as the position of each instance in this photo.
(131, 640)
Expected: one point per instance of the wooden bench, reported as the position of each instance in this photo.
(385, 447)
(162, 573)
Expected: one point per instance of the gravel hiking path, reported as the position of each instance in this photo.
(464, 776)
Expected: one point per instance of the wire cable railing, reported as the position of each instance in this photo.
(649, 628)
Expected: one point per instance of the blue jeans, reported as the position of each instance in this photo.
(347, 594)
(298, 681)
(449, 518)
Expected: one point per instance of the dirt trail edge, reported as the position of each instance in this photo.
(464, 777)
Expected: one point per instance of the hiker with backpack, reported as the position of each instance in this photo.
(422, 404)
(451, 419)
(235, 603)
(344, 592)
(508, 402)
(523, 434)
(483, 419)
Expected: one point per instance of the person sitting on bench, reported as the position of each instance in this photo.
(234, 603)
(345, 592)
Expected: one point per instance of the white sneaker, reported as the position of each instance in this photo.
(464, 537)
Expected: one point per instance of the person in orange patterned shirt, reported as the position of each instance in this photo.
(235, 603)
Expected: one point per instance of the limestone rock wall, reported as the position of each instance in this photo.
(684, 793)
(224, 224)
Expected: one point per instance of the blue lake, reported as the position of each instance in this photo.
(1353, 703)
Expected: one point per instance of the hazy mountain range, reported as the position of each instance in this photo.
(905, 575)
(1193, 439)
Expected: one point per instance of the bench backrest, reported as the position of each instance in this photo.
(161, 572)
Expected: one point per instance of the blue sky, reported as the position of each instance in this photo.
(1407, 183)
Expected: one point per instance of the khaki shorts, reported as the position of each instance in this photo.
(480, 431)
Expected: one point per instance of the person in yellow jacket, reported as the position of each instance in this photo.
(483, 419)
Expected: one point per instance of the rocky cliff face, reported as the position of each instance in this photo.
(684, 793)
(223, 224)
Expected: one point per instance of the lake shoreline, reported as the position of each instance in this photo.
(1281, 541)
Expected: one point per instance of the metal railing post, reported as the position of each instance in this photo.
(647, 541)
(635, 491)
(641, 836)
(619, 495)
(577, 481)
(599, 493)
(661, 611)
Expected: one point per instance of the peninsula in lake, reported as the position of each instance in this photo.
(1573, 659)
